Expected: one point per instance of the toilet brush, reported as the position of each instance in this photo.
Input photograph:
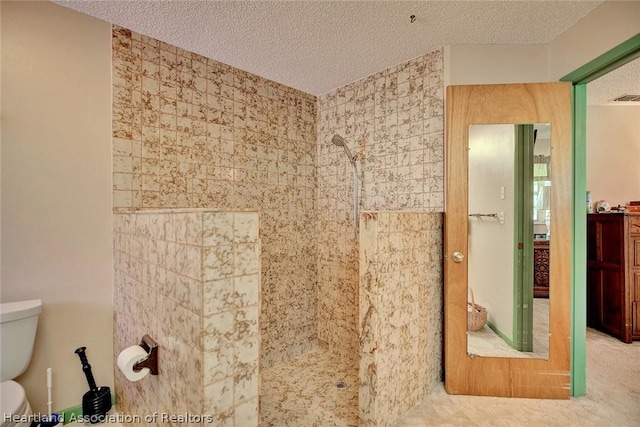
(97, 401)
(51, 419)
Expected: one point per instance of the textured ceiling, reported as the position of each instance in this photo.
(317, 46)
(622, 81)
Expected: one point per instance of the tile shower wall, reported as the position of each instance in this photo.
(400, 312)
(393, 122)
(190, 132)
(192, 281)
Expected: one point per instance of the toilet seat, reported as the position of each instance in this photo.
(14, 401)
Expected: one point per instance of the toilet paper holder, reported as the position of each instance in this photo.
(151, 361)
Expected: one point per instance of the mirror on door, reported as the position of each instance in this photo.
(521, 106)
(509, 223)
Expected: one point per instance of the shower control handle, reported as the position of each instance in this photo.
(457, 256)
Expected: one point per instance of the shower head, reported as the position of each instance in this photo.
(340, 142)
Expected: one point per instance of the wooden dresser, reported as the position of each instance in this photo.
(541, 268)
(613, 274)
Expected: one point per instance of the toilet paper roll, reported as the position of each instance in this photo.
(129, 357)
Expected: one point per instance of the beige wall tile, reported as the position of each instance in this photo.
(393, 122)
(192, 132)
(400, 312)
(208, 331)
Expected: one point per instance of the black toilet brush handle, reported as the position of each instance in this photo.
(86, 368)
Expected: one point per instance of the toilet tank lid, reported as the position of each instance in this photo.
(20, 309)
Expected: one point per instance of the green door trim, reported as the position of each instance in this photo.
(625, 52)
(527, 238)
(523, 240)
(608, 61)
(579, 252)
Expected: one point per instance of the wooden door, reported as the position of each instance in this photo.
(508, 104)
(608, 306)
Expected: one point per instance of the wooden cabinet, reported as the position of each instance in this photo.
(613, 274)
(541, 268)
(633, 272)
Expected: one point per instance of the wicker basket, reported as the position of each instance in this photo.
(476, 315)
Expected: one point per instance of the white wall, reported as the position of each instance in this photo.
(613, 153)
(56, 190)
(605, 27)
(488, 64)
(491, 166)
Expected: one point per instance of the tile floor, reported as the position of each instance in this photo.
(289, 399)
(302, 392)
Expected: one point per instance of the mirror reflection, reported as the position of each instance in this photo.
(509, 233)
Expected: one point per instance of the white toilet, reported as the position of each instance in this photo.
(18, 322)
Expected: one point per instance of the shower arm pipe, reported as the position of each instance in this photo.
(356, 207)
(340, 142)
(355, 197)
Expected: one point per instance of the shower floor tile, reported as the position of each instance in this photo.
(302, 392)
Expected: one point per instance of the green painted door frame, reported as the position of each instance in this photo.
(609, 61)
(523, 240)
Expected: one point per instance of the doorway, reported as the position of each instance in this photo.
(609, 61)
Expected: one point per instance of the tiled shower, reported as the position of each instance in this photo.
(393, 123)
(190, 279)
(192, 133)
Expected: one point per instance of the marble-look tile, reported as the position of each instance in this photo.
(246, 384)
(311, 399)
(267, 149)
(247, 290)
(188, 293)
(246, 414)
(218, 262)
(245, 227)
(397, 365)
(247, 352)
(218, 330)
(188, 261)
(193, 132)
(208, 331)
(395, 120)
(189, 229)
(246, 259)
(385, 124)
(218, 229)
(219, 296)
(218, 364)
(246, 323)
(218, 397)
